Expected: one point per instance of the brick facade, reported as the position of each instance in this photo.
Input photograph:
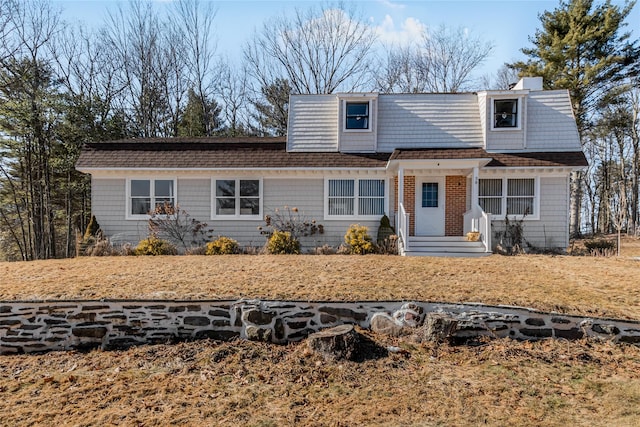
(455, 205)
(409, 200)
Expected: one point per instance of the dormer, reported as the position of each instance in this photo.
(504, 116)
(358, 122)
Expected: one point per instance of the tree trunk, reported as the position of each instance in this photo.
(440, 327)
(575, 204)
(340, 342)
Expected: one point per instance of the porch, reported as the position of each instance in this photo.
(437, 205)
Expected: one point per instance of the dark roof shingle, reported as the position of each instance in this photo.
(269, 153)
(214, 153)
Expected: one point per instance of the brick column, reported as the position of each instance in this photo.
(455, 205)
(410, 202)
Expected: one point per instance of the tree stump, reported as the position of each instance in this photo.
(340, 342)
(440, 327)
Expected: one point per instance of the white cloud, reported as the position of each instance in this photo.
(410, 30)
(391, 5)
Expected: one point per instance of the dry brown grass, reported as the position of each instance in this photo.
(594, 286)
(548, 383)
(503, 382)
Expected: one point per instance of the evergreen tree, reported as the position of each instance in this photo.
(581, 47)
(200, 117)
(273, 110)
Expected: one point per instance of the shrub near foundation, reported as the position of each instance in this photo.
(358, 240)
(281, 243)
(222, 246)
(152, 245)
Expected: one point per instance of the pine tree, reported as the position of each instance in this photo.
(581, 47)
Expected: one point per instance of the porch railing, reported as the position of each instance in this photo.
(403, 227)
(475, 219)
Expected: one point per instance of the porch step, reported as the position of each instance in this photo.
(446, 246)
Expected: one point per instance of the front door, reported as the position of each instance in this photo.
(429, 206)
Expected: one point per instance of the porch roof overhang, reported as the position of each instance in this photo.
(466, 158)
(438, 159)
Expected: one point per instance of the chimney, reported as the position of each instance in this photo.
(531, 83)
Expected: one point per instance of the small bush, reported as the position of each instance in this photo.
(388, 246)
(600, 247)
(325, 250)
(358, 240)
(222, 246)
(102, 247)
(152, 245)
(385, 230)
(92, 229)
(281, 242)
(196, 250)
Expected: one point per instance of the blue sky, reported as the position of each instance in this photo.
(508, 24)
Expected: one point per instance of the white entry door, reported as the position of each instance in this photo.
(430, 206)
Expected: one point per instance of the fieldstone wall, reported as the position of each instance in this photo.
(36, 326)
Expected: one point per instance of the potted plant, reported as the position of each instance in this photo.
(473, 236)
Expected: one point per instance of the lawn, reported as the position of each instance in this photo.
(502, 382)
(595, 286)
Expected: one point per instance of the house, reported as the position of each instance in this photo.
(439, 165)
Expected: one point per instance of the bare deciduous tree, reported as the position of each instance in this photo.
(318, 50)
(400, 72)
(233, 91)
(196, 22)
(443, 62)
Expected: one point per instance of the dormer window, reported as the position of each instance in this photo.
(357, 115)
(505, 113)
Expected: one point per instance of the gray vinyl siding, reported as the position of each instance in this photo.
(552, 229)
(506, 139)
(428, 121)
(108, 204)
(194, 197)
(550, 122)
(358, 141)
(313, 123)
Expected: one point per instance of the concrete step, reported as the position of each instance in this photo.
(444, 246)
(447, 254)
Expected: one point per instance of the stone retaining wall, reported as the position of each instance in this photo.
(35, 326)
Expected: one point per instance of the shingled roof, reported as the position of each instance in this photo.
(514, 159)
(270, 153)
(216, 153)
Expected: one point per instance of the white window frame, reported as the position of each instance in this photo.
(503, 198)
(128, 214)
(369, 117)
(237, 215)
(356, 197)
(519, 114)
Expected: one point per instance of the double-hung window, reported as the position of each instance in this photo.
(237, 198)
(351, 198)
(357, 115)
(147, 196)
(515, 197)
(505, 113)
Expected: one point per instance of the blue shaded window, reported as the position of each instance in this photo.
(430, 195)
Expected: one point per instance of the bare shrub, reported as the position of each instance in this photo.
(388, 246)
(325, 250)
(178, 227)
